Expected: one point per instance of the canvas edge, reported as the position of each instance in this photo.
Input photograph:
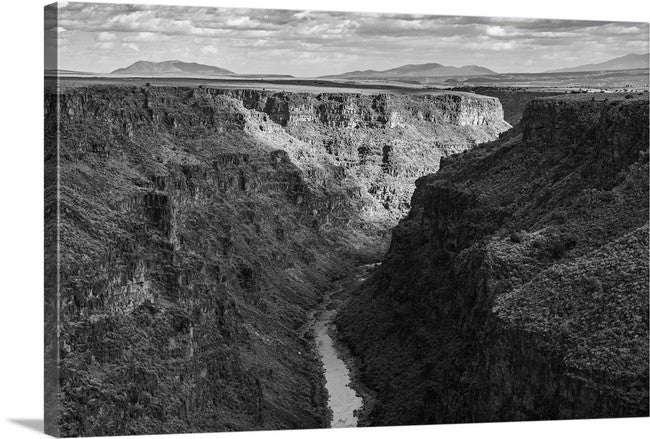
(51, 382)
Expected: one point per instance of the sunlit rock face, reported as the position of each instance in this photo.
(382, 141)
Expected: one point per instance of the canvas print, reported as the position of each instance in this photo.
(264, 219)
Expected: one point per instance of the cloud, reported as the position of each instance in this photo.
(509, 45)
(105, 37)
(106, 45)
(258, 40)
(301, 15)
(495, 31)
(145, 37)
(209, 50)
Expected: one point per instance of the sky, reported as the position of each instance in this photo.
(101, 37)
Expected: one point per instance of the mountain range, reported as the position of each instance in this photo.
(171, 68)
(180, 68)
(627, 62)
(417, 70)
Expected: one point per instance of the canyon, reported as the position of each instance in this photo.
(194, 230)
(244, 259)
(516, 288)
(264, 219)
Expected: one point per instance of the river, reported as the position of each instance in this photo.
(344, 401)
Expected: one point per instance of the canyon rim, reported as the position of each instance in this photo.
(264, 219)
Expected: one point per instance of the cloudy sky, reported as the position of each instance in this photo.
(104, 37)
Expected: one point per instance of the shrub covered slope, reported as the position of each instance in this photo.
(189, 259)
(517, 287)
(196, 233)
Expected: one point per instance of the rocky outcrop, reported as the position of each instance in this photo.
(613, 126)
(382, 141)
(516, 288)
(197, 229)
(513, 99)
(347, 110)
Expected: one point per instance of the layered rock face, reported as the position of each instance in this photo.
(513, 99)
(382, 141)
(197, 230)
(517, 287)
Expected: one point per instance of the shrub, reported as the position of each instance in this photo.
(559, 216)
(594, 287)
(516, 236)
(559, 245)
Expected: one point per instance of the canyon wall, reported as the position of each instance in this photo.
(513, 99)
(517, 286)
(196, 230)
(382, 141)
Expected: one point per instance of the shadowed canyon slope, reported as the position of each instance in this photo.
(198, 228)
(517, 286)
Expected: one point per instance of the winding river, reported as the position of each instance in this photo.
(344, 401)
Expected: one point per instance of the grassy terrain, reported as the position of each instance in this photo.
(272, 84)
(615, 81)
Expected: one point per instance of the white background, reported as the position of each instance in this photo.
(21, 214)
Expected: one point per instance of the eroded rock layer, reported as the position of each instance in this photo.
(517, 287)
(383, 141)
(199, 227)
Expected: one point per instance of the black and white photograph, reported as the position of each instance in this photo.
(295, 219)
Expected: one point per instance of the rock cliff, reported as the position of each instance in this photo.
(383, 141)
(517, 286)
(513, 99)
(198, 227)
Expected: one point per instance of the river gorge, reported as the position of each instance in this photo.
(245, 259)
(346, 397)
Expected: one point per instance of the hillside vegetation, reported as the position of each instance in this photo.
(517, 286)
(197, 230)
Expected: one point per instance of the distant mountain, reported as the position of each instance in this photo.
(170, 68)
(264, 75)
(62, 72)
(627, 62)
(418, 70)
